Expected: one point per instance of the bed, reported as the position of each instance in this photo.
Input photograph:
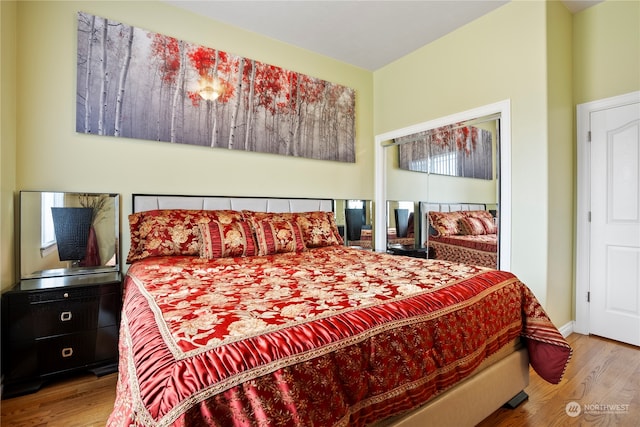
(460, 232)
(249, 311)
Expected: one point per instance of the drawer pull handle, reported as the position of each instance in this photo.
(65, 316)
(67, 352)
(66, 295)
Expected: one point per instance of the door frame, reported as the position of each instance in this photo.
(583, 201)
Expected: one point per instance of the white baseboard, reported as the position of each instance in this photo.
(566, 329)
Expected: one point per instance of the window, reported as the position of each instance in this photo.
(405, 205)
(419, 165)
(444, 164)
(47, 232)
(355, 204)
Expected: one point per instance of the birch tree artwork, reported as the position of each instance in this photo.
(137, 84)
(464, 151)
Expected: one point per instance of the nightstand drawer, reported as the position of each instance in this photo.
(56, 317)
(80, 314)
(32, 359)
(65, 352)
(64, 317)
(72, 292)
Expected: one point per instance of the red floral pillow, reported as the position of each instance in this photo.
(478, 214)
(318, 228)
(276, 237)
(220, 240)
(486, 218)
(471, 226)
(445, 223)
(489, 225)
(167, 232)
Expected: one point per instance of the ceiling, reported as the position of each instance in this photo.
(366, 33)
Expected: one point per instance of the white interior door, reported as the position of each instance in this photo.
(614, 308)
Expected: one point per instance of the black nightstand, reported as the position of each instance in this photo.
(52, 326)
(408, 250)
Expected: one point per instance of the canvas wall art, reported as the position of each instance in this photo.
(132, 83)
(463, 151)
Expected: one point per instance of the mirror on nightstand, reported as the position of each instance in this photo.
(68, 234)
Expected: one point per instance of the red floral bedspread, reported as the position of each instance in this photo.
(328, 337)
(479, 249)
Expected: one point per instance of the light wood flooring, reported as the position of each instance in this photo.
(601, 373)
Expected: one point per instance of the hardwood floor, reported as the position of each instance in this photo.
(603, 378)
(81, 401)
(601, 372)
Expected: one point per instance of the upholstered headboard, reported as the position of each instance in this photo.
(426, 207)
(147, 202)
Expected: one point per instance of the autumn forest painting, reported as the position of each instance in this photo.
(454, 150)
(137, 84)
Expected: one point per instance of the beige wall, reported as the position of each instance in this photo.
(561, 167)
(52, 156)
(499, 56)
(7, 140)
(606, 43)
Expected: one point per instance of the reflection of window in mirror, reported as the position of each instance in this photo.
(47, 231)
(355, 204)
(444, 164)
(406, 205)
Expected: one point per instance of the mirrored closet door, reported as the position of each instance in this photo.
(456, 163)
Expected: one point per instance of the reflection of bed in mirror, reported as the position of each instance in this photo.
(460, 232)
(400, 223)
(64, 233)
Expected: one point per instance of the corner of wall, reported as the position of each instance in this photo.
(561, 172)
(8, 73)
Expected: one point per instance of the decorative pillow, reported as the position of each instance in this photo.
(489, 225)
(220, 240)
(478, 214)
(486, 218)
(167, 232)
(471, 226)
(318, 228)
(278, 237)
(445, 223)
